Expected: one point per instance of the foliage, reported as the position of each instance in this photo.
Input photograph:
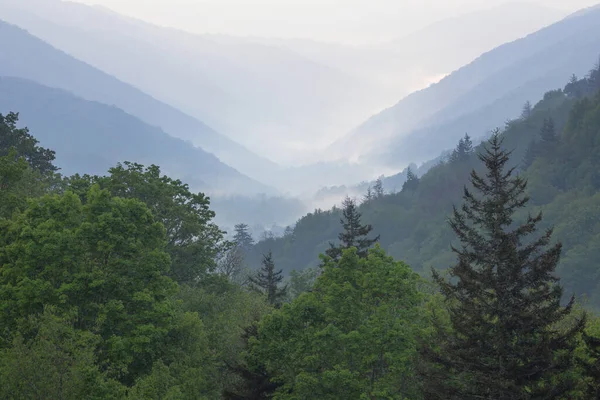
(354, 336)
(267, 281)
(504, 301)
(354, 234)
(193, 240)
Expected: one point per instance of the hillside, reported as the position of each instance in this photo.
(90, 137)
(248, 91)
(563, 182)
(501, 80)
(26, 56)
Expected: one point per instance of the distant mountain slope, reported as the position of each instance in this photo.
(514, 73)
(24, 55)
(90, 137)
(270, 99)
(563, 174)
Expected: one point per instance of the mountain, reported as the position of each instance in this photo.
(492, 88)
(28, 57)
(273, 101)
(563, 174)
(411, 62)
(90, 137)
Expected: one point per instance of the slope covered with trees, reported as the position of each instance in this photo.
(119, 287)
(562, 183)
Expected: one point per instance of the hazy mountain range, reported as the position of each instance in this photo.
(244, 116)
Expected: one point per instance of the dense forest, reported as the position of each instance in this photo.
(122, 286)
(554, 146)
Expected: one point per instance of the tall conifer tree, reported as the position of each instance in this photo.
(267, 280)
(354, 235)
(504, 300)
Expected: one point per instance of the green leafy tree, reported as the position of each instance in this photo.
(193, 240)
(354, 235)
(592, 365)
(504, 300)
(267, 280)
(24, 144)
(104, 261)
(48, 359)
(12, 172)
(354, 336)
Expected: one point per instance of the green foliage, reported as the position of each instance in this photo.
(354, 336)
(267, 281)
(51, 360)
(503, 300)
(25, 145)
(103, 261)
(354, 234)
(193, 240)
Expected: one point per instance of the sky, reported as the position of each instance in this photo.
(349, 21)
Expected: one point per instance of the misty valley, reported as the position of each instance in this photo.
(190, 215)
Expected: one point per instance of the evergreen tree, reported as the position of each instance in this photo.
(548, 132)
(242, 238)
(467, 145)
(370, 195)
(592, 366)
(463, 149)
(503, 300)
(354, 234)
(267, 281)
(527, 108)
(378, 188)
(530, 154)
(412, 181)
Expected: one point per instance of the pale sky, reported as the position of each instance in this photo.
(330, 20)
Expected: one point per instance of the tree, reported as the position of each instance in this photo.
(243, 238)
(463, 150)
(548, 131)
(267, 281)
(530, 155)
(592, 365)
(24, 144)
(504, 300)
(231, 264)
(354, 336)
(354, 234)
(103, 262)
(412, 181)
(526, 112)
(378, 190)
(194, 241)
(12, 172)
(370, 195)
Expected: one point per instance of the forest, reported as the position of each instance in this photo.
(478, 280)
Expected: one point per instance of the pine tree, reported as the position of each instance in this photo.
(412, 181)
(548, 132)
(527, 109)
(592, 366)
(354, 234)
(467, 145)
(530, 154)
(378, 188)
(503, 300)
(463, 149)
(267, 280)
(369, 195)
(242, 238)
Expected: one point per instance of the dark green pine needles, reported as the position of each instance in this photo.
(503, 300)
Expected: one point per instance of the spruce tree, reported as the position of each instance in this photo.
(354, 235)
(527, 109)
(378, 188)
(267, 280)
(530, 154)
(592, 366)
(503, 299)
(548, 131)
(412, 181)
(242, 238)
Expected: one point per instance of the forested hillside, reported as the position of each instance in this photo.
(562, 174)
(121, 286)
(479, 95)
